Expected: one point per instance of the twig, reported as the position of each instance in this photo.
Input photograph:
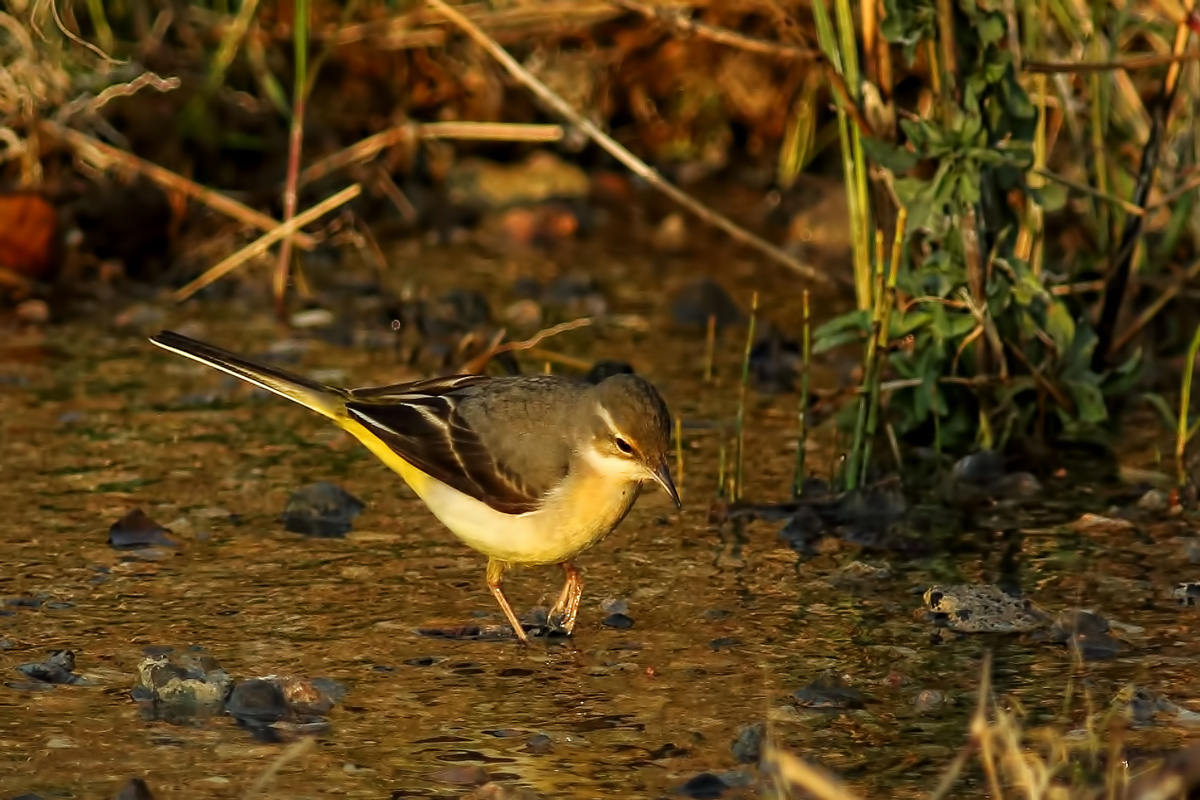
(1082, 188)
(1152, 310)
(260, 245)
(104, 156)
(617, 151)
(702, 30)
(94, 104)
(477, 364)
(408, 131)
(1131, 63)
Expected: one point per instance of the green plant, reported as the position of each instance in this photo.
(990, 351)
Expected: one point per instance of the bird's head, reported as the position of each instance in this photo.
(629, 429)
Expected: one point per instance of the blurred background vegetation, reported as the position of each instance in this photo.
(1020, 176)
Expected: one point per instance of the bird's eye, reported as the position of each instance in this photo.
(623, 446)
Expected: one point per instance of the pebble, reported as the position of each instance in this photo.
(697, 301)
(323, 510)
(705, 786)
(747, 745)
(1154, 500)
(136, 530)
(34, 311)
(618, 621)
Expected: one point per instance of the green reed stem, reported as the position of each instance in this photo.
(295, 144)
(844, 59)
(741, 408)
(884, 300)
(801, 416)
(1185, 403)
(104, 34)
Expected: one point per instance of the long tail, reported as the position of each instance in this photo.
(326, 400)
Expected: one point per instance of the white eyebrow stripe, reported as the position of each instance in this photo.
(608, 420)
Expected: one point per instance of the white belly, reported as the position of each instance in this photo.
(556, 532)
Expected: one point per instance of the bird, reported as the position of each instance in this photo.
(528, 470)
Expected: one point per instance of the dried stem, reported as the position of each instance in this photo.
(617, 151)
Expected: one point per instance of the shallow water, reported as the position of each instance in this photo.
(727, 624)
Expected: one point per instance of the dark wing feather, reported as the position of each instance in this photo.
(421, 422)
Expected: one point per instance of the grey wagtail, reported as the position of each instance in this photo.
(527, 470)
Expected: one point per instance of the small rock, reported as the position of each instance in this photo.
(618, 621)
(463, 776)
(539, 744)
(982, 468)
(775, 362)
(1085, 632)
(59, 667)
(33, 311)
(257, 701)
(671, 234)
(705, 786)
(136, 530)
(136, 789)
(1155, 500)
(194, 688)
(60, 743)
(1187, 593)
(321, 510)
(614, 605)
(829, 691)
(747, 745)
(312, 318)
(1094, 523)
(928, 700)
(694, 304)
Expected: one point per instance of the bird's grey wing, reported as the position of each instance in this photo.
(424, 424)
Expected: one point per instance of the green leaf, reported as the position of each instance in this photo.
(897, 159)
(1159, 404)
(1089, 402)
(1061, 327)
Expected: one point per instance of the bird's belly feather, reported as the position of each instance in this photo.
(572, 519)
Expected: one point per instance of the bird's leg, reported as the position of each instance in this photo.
(567, 607)
(495, 575)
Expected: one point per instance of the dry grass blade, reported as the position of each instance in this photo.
(410, 131)
(477, 364)
(105, 156)
(260, 245)
(617, 151)
(297, 749)
(791, 772)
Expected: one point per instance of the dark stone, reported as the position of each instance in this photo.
(618, 621)
(828, 691)
(135, 530)
(321, 510)
(257, 702)
(747, 746)
(136, 789)
(705, 786)
(59, 667)
(695, 303)
(539, 744)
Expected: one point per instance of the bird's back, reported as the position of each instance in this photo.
(526, 422)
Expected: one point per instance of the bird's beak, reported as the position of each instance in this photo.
(662, 476)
